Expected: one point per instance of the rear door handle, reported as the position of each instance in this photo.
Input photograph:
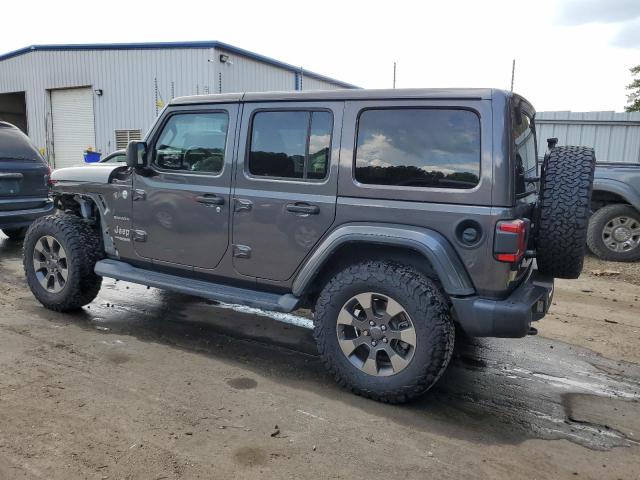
(303, 208)
(210, 200)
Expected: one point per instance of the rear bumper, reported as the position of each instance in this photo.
(508, 318)
(23, 217)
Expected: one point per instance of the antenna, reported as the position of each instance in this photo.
(513, 73)
(394, 74)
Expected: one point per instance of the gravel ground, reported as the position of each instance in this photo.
(144, 384)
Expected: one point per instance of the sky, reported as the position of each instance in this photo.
(570, 54)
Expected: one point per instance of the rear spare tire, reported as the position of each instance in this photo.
(563, 211)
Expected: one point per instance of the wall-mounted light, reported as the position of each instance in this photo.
(224, 58)
(98, 92)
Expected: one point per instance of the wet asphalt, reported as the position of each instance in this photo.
(504, 390)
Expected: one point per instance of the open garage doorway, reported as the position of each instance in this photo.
(13, 109)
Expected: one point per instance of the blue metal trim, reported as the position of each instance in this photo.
(175, 45)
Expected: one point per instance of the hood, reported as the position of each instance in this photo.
(100, 173)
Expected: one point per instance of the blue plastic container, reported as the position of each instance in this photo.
(92, 157)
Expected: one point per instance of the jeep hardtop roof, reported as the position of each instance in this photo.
(347, 94)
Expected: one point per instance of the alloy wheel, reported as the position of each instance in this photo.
(376, 334)
(50, 264)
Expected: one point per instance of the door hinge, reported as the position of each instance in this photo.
(139, 195)
(241, 251)
(139, 236)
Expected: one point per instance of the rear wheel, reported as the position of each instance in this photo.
(614, 233)
(60, 252)
(384, 330)
(15, 233)
(563, 211)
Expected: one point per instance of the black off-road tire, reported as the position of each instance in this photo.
(563, 211)
(15, 234)
(597, 224)
(83, 248)
(428, 308)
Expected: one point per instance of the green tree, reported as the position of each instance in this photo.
(634, 97)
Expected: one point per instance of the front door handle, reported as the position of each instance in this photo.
(303, 208)
(210, 199)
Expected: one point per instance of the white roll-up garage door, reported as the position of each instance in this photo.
(73, 125)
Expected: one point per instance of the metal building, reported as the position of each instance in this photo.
(68, 98)
(614, 136)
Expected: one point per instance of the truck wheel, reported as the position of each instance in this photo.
(15, 233)
(60, 252)
(614, 233)
(563, 211)
(384, 330)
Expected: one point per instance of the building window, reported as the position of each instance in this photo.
(418, 147)
(123, 137)
(193, 142)
(291, 144)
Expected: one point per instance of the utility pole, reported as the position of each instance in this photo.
(394, 74)
(513, 73)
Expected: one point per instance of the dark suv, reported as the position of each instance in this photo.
(394, 215)
(24, 182)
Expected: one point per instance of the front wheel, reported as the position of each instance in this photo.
(384, 330)
(60, 252)
(614, 233)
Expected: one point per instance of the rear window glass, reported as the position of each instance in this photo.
(291, 144)
(418, 148)
(524, 140)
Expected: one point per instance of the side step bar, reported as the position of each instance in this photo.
(199, 288)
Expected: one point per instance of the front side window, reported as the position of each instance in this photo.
(193, 142)
(418, 147)
(290, 144)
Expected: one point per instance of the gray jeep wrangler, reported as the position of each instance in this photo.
(397, 216)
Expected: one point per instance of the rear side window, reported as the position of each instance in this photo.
(290, 144)
(418, 147)
(524, 145)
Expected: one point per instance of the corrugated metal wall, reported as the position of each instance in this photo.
(241, 74)
(310, 83)
(615, 136)
(128, 80)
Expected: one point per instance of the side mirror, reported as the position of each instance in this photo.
(137, 154)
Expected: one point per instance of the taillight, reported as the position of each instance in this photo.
(47, 177)
(510, 242)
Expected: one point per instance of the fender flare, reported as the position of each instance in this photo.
(83, 199)
(619, 188)
(435, 247)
